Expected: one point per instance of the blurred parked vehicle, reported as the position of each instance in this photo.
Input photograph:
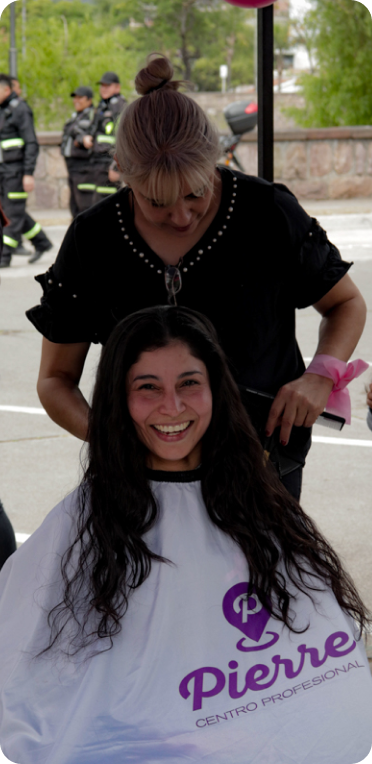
(241, 118)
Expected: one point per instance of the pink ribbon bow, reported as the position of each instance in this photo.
(341, 373)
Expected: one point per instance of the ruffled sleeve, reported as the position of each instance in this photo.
(315, 263)
(66, 312)
(319, 267)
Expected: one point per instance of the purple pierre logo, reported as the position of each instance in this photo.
(247, 613)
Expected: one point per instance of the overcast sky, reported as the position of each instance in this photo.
(298, 7)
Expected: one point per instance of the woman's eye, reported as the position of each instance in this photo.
(157, 204)
(147, 386)
(190, 382)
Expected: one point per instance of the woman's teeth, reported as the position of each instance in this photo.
(171, 427)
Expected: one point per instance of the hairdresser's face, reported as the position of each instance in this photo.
(180, 219)
(170, 402)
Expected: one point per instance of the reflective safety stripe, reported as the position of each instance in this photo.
(34, 230)
(109, 128)
(105, 139)
(10, 242)
(86, 187)
(12, 143)
(106, 190)
(17, 195)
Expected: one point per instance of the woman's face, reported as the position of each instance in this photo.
(180, 219)
(170, 402)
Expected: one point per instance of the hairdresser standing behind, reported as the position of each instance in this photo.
(234, 247)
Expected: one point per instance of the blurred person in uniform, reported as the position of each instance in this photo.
(18, 154)
(102, 138)
(8, 543)
(16, 87)
(77, 155)
(31, 223)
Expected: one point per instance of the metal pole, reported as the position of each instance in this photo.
(23, 29)
(12, 49)
(265, 96)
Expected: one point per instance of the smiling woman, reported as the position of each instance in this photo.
(131, 620)
(170, 402)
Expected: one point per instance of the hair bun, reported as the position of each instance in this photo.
(157, 75)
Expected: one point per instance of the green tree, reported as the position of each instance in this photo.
(71, 43)
(199, 36)
(179, 28)
(66, 47)
(339, 92)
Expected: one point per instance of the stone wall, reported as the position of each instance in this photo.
(326, 163)
(51, 187)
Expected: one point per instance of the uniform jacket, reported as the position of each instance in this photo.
(76, 127)
(105, 119)
(18, 143)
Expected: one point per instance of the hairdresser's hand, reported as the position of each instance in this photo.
(298, 403)
(369, 396)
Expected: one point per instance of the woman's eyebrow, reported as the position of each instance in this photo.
(180, 376)
(145, 376)
(189, 373)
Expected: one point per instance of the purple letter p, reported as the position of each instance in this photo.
(198, 677)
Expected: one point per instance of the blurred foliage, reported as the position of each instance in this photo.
(339, 90)
(281, 45)
(230, 42)
(66, 46)
(70, 43)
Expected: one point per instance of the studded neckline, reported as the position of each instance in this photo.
(213, 234)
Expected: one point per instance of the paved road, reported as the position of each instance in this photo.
(39, 462)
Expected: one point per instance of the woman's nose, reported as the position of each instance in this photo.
(172, 404)
(181, 215)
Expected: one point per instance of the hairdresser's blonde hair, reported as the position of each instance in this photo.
(165, 139)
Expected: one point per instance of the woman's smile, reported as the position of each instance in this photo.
(172, 432)
(182, 229)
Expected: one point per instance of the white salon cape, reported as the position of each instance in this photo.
(199, 673)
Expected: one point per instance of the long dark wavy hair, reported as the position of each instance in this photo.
(242, 494)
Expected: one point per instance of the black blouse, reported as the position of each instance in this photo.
(261, 258)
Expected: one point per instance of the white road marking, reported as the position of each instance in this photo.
(341, 441)
(23, 409)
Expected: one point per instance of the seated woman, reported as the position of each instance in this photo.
(179, 605)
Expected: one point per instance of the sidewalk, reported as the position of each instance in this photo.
(313, 207)
(48, 218)
(358, 206)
